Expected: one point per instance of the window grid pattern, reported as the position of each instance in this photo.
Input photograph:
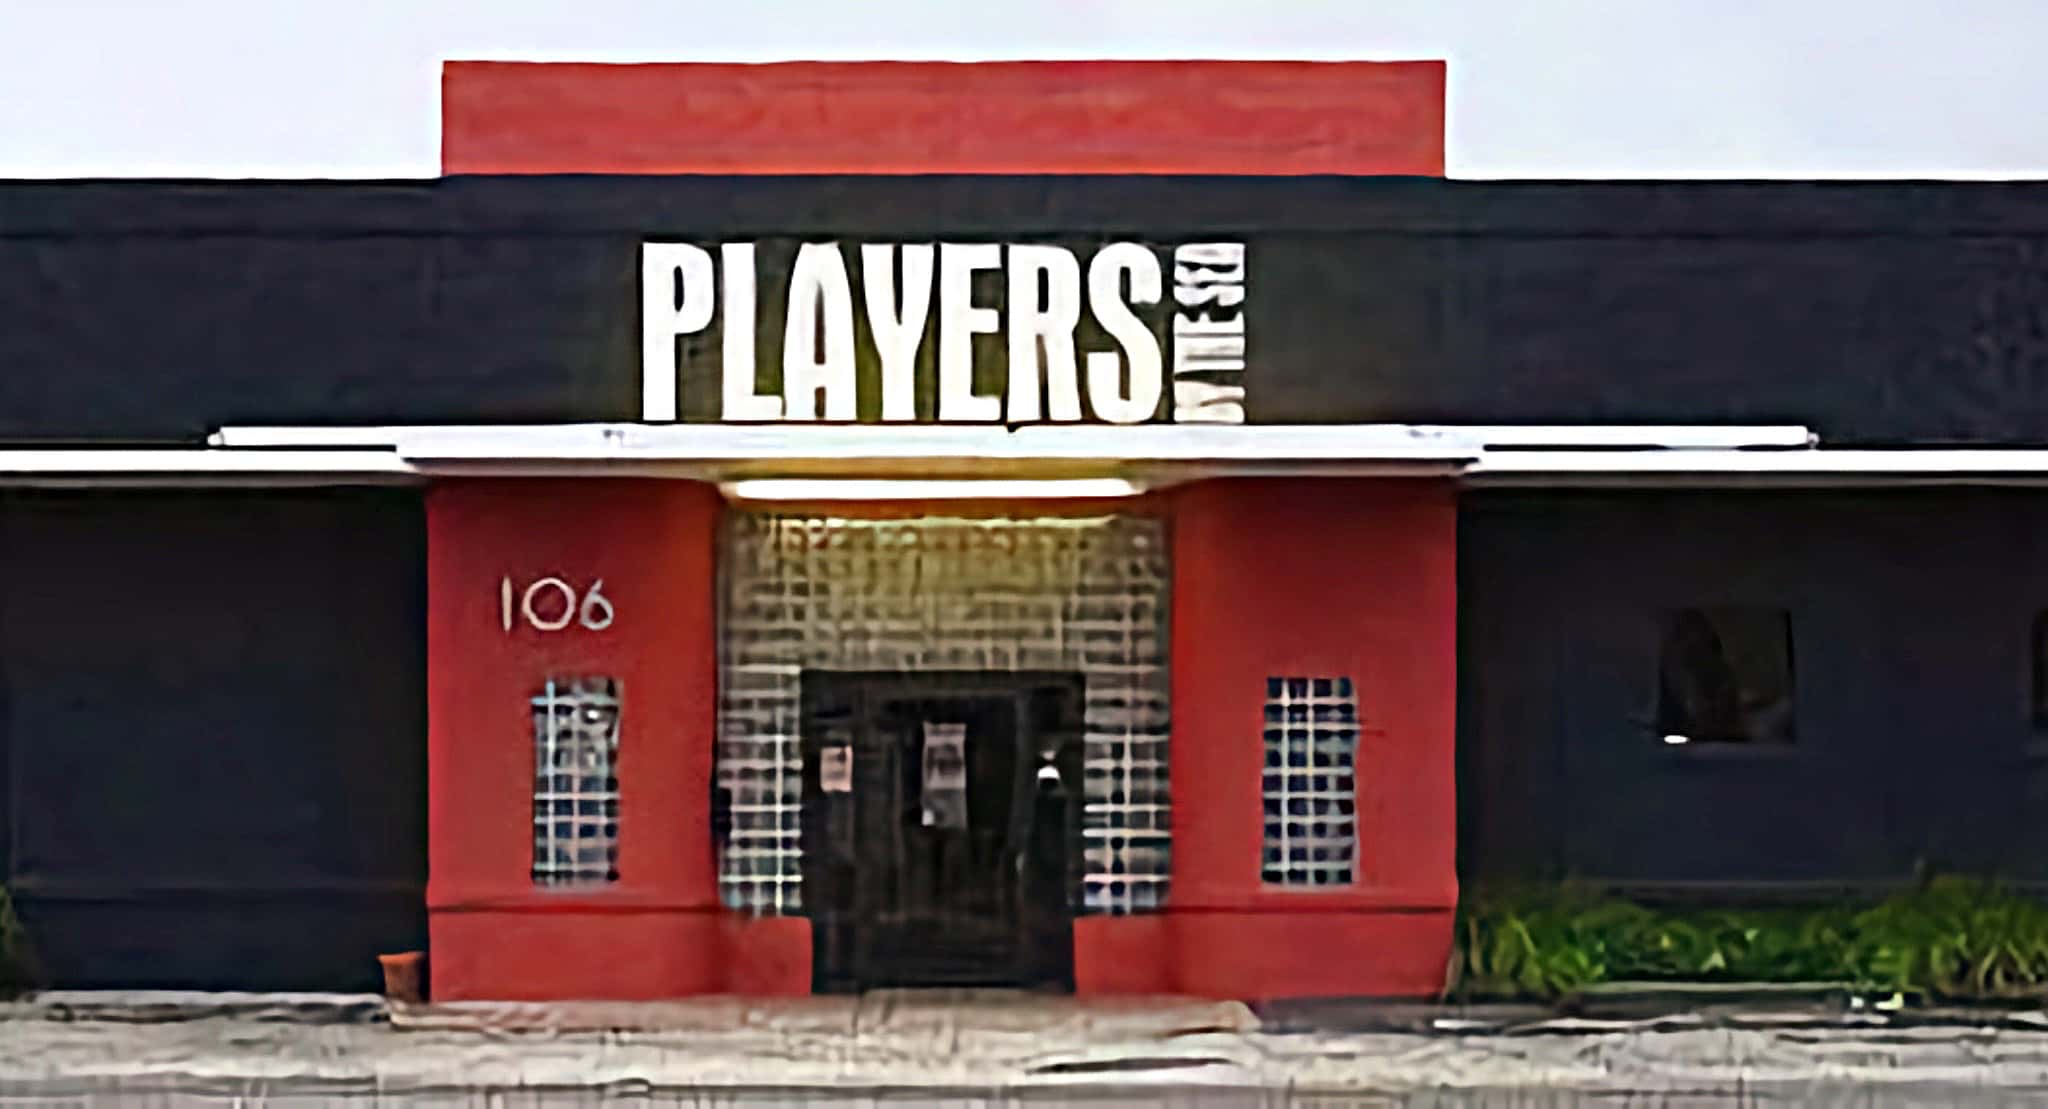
(576, 783)
(1086, 595)
(1310, 786)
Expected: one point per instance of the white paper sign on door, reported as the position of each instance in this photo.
(945, 775)
(835, 769)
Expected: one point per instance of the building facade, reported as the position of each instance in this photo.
(658, 584)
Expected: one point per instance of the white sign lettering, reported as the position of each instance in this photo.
(1208, 333)
(1051, 298)
(897, 320)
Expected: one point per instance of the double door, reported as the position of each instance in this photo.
(940, 825)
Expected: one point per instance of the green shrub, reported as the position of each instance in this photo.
(1542, 942)
(1956, 938)
(1952, 938)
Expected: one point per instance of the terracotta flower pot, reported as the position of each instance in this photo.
(404, 977)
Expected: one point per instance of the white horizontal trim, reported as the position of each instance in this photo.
(1073, 443)
(1152, 475)
(1598, 436)
(1165, 461)
(1904, 465)
(706, 442)
(377, 437)
(871, 442)
(1153, 454)
(178, 466)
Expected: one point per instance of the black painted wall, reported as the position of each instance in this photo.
(1874, 312)
(212, 707)
(1912, 617)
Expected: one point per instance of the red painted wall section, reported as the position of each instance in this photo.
(1122, 955)
(658, 931)
(1308, 578)
(1272, 577)
(1194, 117)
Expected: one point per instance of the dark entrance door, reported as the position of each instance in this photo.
(940, 826)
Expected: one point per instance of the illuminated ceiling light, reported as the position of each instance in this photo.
(838, 489)
(1677, 740)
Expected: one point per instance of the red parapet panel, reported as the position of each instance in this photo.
(1192, 117)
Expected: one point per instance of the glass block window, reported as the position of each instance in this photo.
(1310, 786)
(576, 782)
(1085, 595)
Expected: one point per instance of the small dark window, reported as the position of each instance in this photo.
(2041, 672)
(1725, 676)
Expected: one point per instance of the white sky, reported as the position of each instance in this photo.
(1538, 88)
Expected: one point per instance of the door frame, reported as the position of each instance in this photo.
(1043, 955)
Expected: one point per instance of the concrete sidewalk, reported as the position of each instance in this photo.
(952, 1049)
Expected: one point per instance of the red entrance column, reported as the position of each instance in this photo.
(1313, 578)
(659, 930)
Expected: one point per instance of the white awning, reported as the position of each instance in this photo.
(1145, 456)
(1153, 454)
(902, 440)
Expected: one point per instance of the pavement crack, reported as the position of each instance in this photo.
(1128, 1064)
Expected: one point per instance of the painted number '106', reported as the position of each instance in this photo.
(536, 605)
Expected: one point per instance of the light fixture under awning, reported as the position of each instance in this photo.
(887, 489)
